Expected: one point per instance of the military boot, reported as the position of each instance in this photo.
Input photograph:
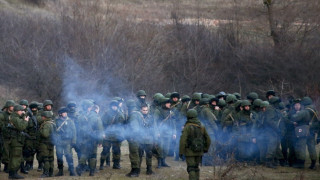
(40, 167)
(92, 172)
(28, 166)
(51, 172)
(14, 175)
(60, 172)
(149, 170)
(299, 164)
(71, 170)
(313, 165)
(134, 172)
(79, 169)
(129, 174)
(116, 164)
(45, 174)
(163, 163)
(101, 164)
(270, 164)
(22, 169)
(108, 162)
(6, 169)
(159, 163)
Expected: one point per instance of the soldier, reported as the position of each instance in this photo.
(208, 120)
(113, 123)
(46, 147)
(141, 96)
(17, 124)
(193, 104)
(4, 120)
(194, 142)
(156, 102)
(65, 138)
(305, 133)
(31, 143)
(252, 96)
(167, 130)
(73, 114)
(90, 129)
(271, 119)
(134, 125)
(148, 133)
(176, 106)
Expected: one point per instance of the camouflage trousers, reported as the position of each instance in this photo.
(147, 148)
(15, 156)
(65, 149)
(193, 167)
(134, 153)
(46, 155)
(116, 150)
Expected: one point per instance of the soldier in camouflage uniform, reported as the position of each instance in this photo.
(193, 104)
(91, 130)
(134, 126)
(166, 123)
(46, 146)
(141, 98)
(113, 123)
(4, 120)
(208, 120)
(176, 106)
(193, 157)
(30, 146)
(148, 133)
(73, 114)
(65, 138)
(17, 124)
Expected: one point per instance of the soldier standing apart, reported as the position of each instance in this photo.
(17, 123)
(194, 142)
(113, 122)
(46, 147)
(148, 133)
(65, 138)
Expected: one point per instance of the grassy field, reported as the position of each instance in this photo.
(178, 171)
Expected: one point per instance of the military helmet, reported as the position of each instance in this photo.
(141, 93)
(157, 95)
(204, 101)
(62, 110)
(87, 104)
(72, 104)
(114, 103)
(192, 113)
(295, 101)
(245, 103)
(274, 100)
(9, 103)
(196, 96)
(119, 99)
(214, 99)
(206, 96)
(185, 98)
(238, 95)
(40, 106)
(18, 107)
(237, 104)
(33, 104)
(222, 103)
(175, 95)
(221, 94)
(47, 102)
(46, 114)
(24, 102)
(257, 102)
(306, 101)
(164, 100)
(130, 103)
(264, 104)
(168, 95)
(270, 92)
(231, 98)
(252, 96)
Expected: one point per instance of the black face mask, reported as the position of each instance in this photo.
(142, 100)
(72, 110)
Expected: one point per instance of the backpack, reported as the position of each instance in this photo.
(195, 139)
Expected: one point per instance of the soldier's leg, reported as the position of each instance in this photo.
(59, 154)
(83, 159)
(51, 159)
(193, 167)
(69, 158)
(176, 148)
(148, 150)
(44, 157)
(93, 158)
(6, 154)
(272, 144)
(106, 145)
(141, 152)
(134, 158)
(15, 157)
(311, 144)
(116, 154)
(300, 150)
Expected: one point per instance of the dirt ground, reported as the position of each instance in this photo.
(178, 171)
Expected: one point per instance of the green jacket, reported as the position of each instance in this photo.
(242, 128)
(307, 116)
(187, 134)
(90, 128)
(165, 122)
(113, 122)
(4, 120)
(228, 117)
(208, 119)
(66, 131)
(46, 131)
(271, 119)
(135, 125)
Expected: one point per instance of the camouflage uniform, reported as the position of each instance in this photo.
(65, 138)
(193, 159)
(113, 123)
(46, 147)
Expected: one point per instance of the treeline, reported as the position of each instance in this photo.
(86, 50)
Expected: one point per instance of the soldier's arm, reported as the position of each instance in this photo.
(19, 123)
(45, 131)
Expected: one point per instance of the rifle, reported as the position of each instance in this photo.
(65, 121)
(34, 119)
